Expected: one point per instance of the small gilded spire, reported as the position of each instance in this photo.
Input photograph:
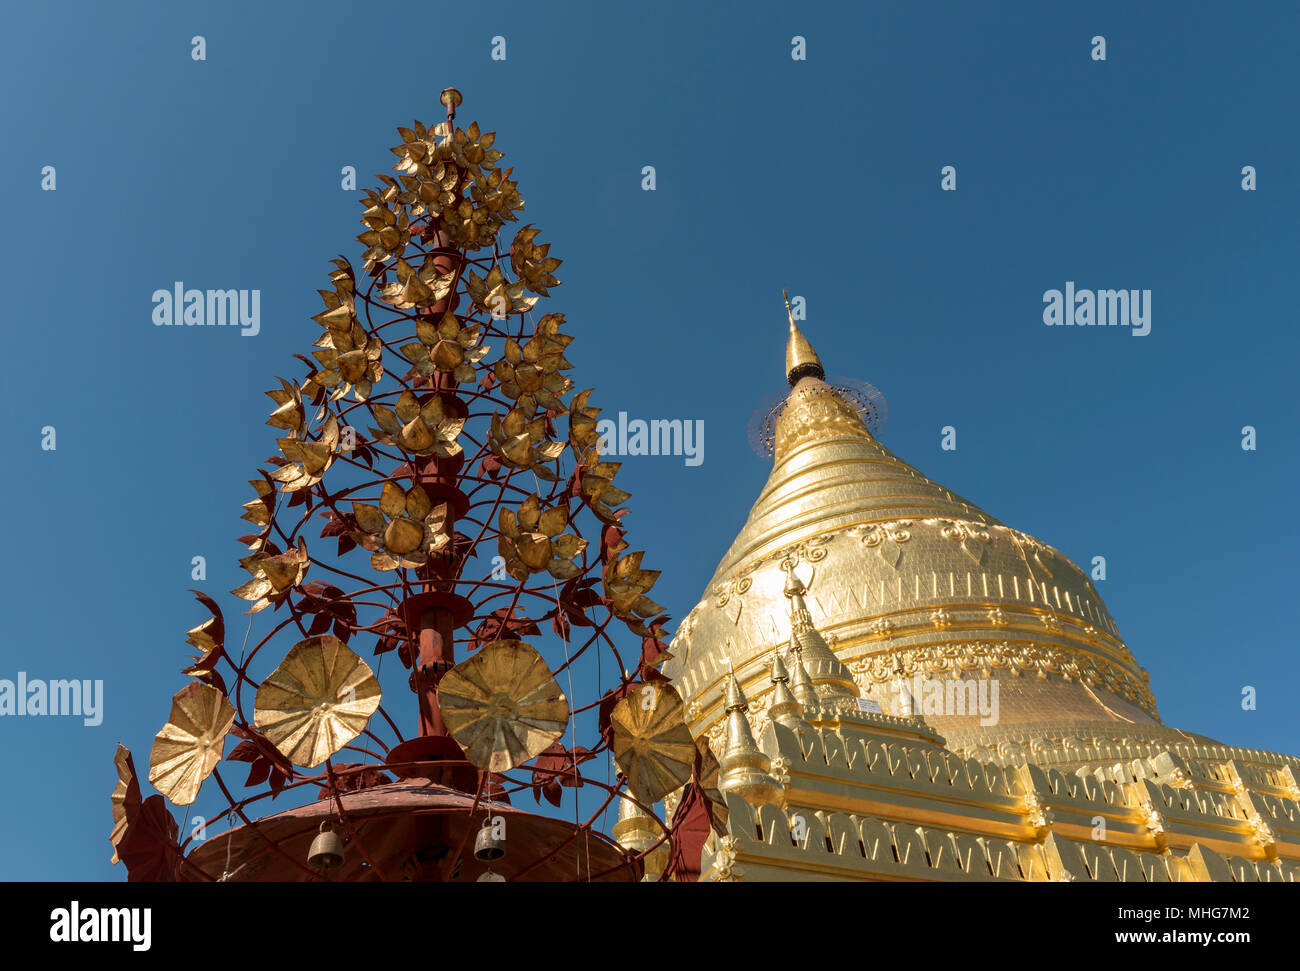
(810, 649)
(801, 361)
(637, 831)
(804, 691)
(785, 709)
(743, 768)
(736, 700)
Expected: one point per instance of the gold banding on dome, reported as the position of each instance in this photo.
(891, 564)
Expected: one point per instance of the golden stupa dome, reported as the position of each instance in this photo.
(907, 584)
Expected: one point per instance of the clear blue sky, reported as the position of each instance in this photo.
(821, 176)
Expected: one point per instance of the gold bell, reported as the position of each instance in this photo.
(490, 844)
(326, 849)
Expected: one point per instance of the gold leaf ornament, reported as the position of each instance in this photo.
(522, 444)
(258, 511)
(307, 460)
(349, 359)
(530, 373)
(653, 748)
(273, 575)
(423, 429)
(502, 705)
(446, 347)
(533, 540)
(289, 413)
(417, 288)
(436, 166)
(388, 227)
(126, 781)
(191, 743)
(498, 296)
(317, 701)
(626, 585)
(531, 262)
(403, 530)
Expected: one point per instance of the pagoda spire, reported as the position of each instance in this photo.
(785, 709)
(810, 649)
(743, 768)
(801, 361)
(803, 688)
(637, 831)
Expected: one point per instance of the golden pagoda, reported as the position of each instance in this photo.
(897, 686)
(880, 682)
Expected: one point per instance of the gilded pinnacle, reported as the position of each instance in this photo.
(637, 831)
(802, 685)
(801, 361)
(739, 741)
(779, 674)
(811, 652)
(743, 768)
(784, 708)
(735, 697)
(451, 99)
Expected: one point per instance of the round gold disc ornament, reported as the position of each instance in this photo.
(653, 748)
(317, 701)
(502, 706)
(190, 745)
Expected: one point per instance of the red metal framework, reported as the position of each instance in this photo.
(408, 806)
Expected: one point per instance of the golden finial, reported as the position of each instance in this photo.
(810, 651)
(779, 673)
(802, 685)
(637, 831)
(735, 697)
(801, 361)
(451, 99)
(743, 767)
(784, 709)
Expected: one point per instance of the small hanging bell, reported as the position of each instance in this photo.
(326, 849)
(488, 845)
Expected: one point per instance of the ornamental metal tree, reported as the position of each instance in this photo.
(439, 487)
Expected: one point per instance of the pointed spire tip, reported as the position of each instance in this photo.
(736, 700)
(801, 361)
